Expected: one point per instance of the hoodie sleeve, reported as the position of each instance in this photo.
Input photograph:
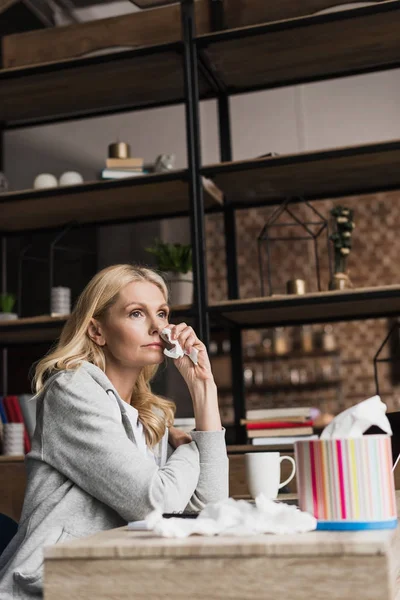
(85, 441)
(213, 484)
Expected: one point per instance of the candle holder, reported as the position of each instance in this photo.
(309, 230)
(119, 150)
(296, 286)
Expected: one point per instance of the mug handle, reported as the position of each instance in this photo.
(292, 474)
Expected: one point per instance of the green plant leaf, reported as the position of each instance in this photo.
(172, 257)
(7, 302)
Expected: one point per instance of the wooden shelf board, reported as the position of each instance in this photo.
(306, 48)
(285, 387)
(243, 448)
(102, 201)
(122, 80)
(317, 307)
(311, 175)
(44, 328)
(5, 459)
(295, 355)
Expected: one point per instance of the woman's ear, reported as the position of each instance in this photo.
(95, 333)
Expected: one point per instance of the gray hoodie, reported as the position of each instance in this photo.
(85, 474)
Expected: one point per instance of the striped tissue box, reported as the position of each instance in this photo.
(347, 483)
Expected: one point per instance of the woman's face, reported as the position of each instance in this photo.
(130, 329)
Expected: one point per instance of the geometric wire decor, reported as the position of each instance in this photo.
(309, 230)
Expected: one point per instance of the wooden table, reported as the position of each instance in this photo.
(120, 564)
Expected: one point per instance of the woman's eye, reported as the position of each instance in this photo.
(135, 313)
(164, 315)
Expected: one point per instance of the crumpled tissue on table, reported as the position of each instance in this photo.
(235, 518)
(176, 351)
(354, 421)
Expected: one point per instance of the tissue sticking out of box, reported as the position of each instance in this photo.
(354, 421)
(174, 349)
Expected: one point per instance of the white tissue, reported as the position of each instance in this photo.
(176, 351)
(352, 422)
(235, 518)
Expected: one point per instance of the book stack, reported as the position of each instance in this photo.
(20, 409)
(120, 168)
(278, 426)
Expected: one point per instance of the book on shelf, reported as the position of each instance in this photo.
(281, 441)
(283, 414)
(121, 173)
(3, 416)
(275, 420)
(250, 425)
(298, 431)
(124, 163)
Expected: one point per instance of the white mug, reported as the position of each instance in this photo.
(263, 470)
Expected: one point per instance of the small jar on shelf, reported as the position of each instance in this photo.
(266, 343)
(307, 339)
(281, 342)
(248, 377)
(328, 339)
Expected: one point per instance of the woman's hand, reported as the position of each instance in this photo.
(177, 437)
(190, 372)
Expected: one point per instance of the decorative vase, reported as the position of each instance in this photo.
(8, 316)
(180, 287)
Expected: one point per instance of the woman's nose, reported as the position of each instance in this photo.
(156, 325)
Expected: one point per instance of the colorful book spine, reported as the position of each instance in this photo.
(3, 416)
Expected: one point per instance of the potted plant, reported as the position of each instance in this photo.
(7, 302)
(175, 261)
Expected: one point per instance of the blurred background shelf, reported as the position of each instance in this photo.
(318, 307)
(45, 328)
(136, 198)
(305, 49)
(309, 175)
(286, 387)
(118, 81)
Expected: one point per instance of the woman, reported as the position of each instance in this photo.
(100, 454)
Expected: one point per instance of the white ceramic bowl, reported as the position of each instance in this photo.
(70, 178)
(45, 180)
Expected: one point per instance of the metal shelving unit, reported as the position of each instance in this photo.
(216, 65)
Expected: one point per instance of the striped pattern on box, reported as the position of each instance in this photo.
(346, 480)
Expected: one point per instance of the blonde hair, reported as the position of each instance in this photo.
(75, 345)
